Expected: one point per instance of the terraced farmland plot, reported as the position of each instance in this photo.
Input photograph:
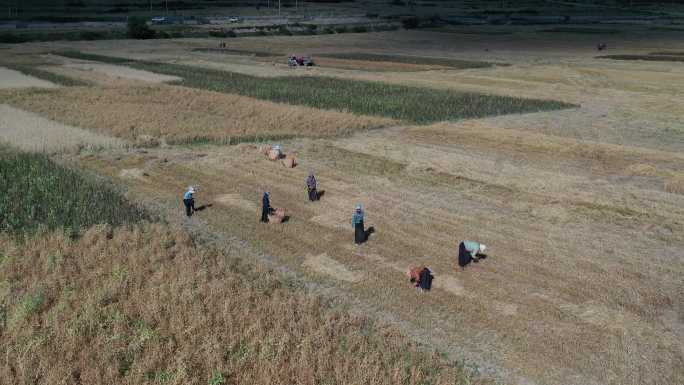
(413, 104)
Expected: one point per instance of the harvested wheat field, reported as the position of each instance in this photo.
(179, 115)
(570, 173)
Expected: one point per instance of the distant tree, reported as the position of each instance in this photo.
(138, 29)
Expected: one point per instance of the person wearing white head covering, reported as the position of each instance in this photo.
(189, 201)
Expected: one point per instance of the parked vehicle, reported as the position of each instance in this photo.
(305, 61)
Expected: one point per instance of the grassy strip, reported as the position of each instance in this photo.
(586, 30)
(452, 63)
(36, 192)
(46, 75)
(227, 51)
(231, 140)
(412, 104)
(666, 53)
(662, 58)
(25, 37)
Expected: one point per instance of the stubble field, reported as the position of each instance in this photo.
(582, 206)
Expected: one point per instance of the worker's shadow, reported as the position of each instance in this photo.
(203, 207)
(320, 194)
(368, 232)
(479, 258)
(286, 218)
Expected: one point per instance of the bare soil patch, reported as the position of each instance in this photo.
(31, 132)
(15, 79)
(123, 72)
(328, 266)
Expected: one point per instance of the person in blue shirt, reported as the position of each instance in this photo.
(189, 201)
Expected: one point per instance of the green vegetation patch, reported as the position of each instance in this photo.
(75, 35)
(587, 30)
(663, 58)
(411, 104)
(668, 53)
(445, 62)
(46, 75)
(36, 192)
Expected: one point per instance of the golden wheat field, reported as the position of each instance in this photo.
(581, 209)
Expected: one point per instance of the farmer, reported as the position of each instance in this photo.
(311, 186)
(357, 223)
(189, 201)
(468, 251)
(266, 207)
(421, 277)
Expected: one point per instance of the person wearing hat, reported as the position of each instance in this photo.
(311, 186)
(468, 251)
(189, 201)
(357, 224)
(266, 206)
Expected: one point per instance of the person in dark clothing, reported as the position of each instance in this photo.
(266, 208)
(189, 201)
(421, 277)
(311, 186)
(464, 256)
(425, 282)
(357, 224)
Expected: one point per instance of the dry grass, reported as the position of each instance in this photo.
(583, 281)
(142, 305)
(543, 282)
(366, 65)
(641, 169)
(180, 115)
(675, 185)
(31, 132)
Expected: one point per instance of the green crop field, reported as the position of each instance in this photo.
(36, 192)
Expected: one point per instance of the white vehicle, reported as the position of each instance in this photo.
(234, 19)
(158, 20)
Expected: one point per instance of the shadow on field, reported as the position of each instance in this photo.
(204, 207)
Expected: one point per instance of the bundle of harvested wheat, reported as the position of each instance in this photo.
(274, 154)
(289, 161)
(265, 149)
(277, 216)
(675, 185)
